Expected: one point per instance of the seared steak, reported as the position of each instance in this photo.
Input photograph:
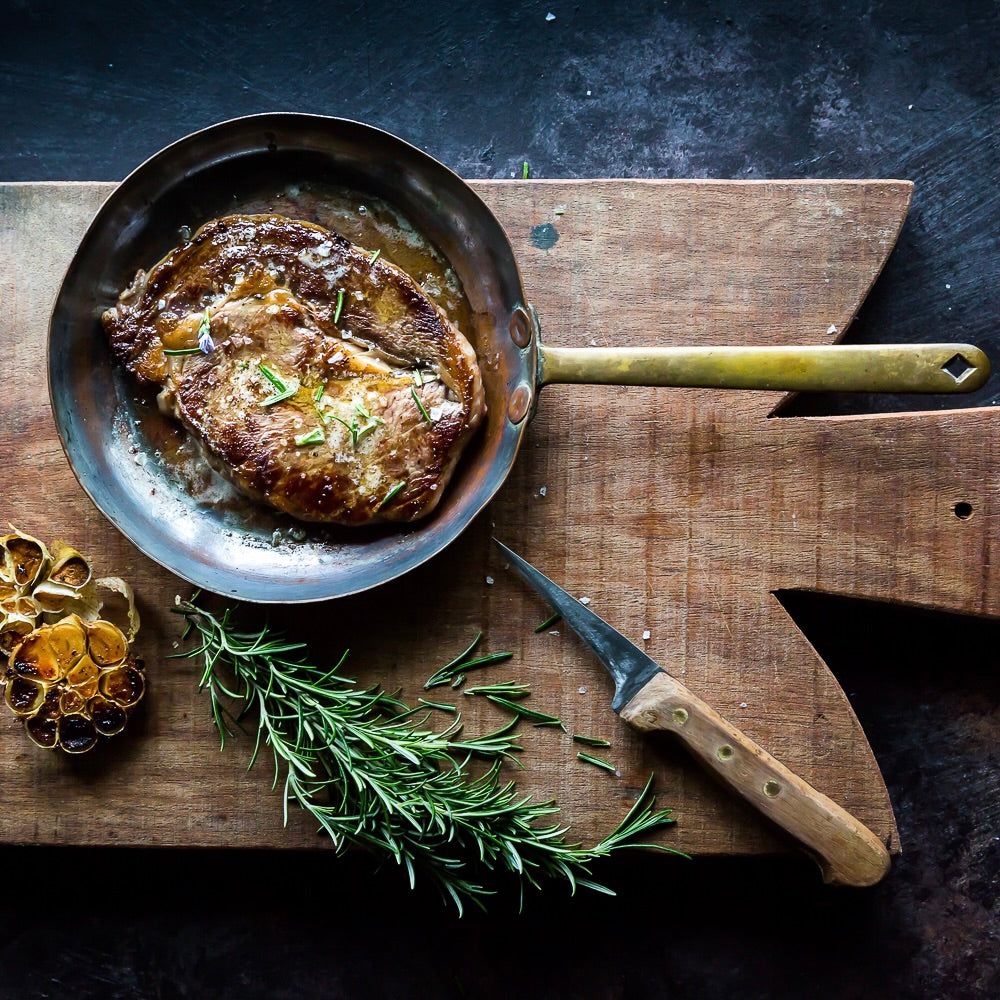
(318, 377)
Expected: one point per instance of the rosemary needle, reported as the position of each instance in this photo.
(420, 406)
(590, 741)
(551, 620)
(506, 689)
(441, 705)
(596, 761)
(539, 718)
(340, 305)
(372, 779)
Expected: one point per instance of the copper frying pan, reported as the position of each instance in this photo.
(109, 429)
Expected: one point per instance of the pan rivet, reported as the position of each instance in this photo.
(520, 402)
(680, 716)
(771, 789)
(725, 752)
(520, 327)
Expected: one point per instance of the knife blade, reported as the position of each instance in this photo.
(650, 699)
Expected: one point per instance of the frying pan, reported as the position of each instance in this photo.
(108, 428)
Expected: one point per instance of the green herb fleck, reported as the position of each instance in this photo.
(524, 171)
(420, 406)
(320, 392)
(374, 257)
(391, 494)
(596, 761)
(205, 328)
(271, 376)
(417, 377)
(590, 741)
(340, 305)
(313, 437)
(178, 351)
(283, 390)
(551, 620)
(362, 411)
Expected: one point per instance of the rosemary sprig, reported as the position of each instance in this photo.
(372, 779)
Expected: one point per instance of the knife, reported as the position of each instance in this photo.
(649, 699)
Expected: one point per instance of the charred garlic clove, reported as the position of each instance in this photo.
(14, 626)
(24, 558)
(69, 568)
(73, 682)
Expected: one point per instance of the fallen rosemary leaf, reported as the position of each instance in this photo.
(590, 741)
(175, 352)
(596, 761)
(551, 620)
(506, 689)
(340, 305)
(372, 778)
(539, 718)
(461, 664)
(374, 257)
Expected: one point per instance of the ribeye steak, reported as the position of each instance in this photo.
(318, 377)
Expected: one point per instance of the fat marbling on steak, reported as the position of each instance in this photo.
(326, 383)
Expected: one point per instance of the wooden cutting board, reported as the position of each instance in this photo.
(679, 513)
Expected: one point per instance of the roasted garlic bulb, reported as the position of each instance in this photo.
(73, 682)
(69, 676)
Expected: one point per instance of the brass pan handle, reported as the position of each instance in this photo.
(934, 368)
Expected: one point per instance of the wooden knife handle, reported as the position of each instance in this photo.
(847, 852)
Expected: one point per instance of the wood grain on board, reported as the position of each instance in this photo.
(679, 513)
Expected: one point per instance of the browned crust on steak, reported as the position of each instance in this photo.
(271, 288)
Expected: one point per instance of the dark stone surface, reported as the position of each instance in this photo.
(854, 89)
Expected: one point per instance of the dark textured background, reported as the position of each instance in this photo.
(853, 89)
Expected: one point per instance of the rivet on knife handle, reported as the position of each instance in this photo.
(848, 852)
